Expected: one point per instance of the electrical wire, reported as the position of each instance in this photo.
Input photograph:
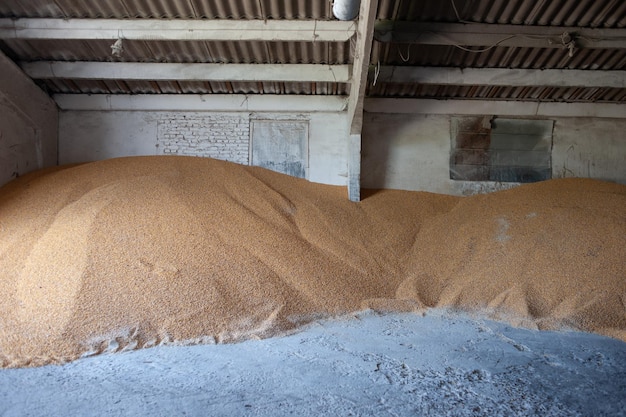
(456, 12)
(408, 54)
(484, 49)
(376, 73)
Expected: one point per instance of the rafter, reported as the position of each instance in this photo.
(189, 72)
(179, 29)
(489, 35)
(494, 107)
(200, 102)
(499, 77)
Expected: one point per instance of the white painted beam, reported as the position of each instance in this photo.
(361, 60)
(195, 72)
(501, 77)
(186, 30)
(495, 107)
(201, 102)
(486, 35)
(362, 52)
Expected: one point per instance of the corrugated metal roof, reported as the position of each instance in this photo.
(64, 86)
(576, 94)
(580, 13)
(170, 9)
(181, 51)
(178, 51)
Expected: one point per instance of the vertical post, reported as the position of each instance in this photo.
(361, 61)
(354, 167)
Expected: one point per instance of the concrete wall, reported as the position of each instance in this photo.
(590, 148)
(28, 124)
(95, 135)
(412, 152)
(401, 151)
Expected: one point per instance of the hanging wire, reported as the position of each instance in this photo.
(376, 73)
(456, 12)
(484, 49)
(408, 53)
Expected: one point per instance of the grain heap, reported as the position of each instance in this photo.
(134, 252)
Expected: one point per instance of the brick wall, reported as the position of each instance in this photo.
(214, 135)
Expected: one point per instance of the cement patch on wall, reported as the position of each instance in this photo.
(281, 145)
(407, 152)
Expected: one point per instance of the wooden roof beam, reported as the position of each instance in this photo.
(491, 35)
(186, 72)
(178, 29)
(499, 76)
(494, 107)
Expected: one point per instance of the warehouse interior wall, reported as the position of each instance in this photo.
(399, 151)
(412, 152)
(28, 124)
(95, 135)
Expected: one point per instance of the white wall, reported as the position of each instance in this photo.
(405, 152)
(590, 148)
(412, 152)
(328, 148)
(95, 135)
(28, 124)
(86, 136)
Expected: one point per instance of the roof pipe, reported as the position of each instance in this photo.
(346, 9)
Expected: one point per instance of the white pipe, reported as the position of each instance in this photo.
(346, 9)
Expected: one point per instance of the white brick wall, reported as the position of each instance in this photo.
(215, 135)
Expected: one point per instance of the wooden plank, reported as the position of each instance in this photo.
(501, 77)
(361, 61)
(362, 51)
(494, 107)
(201, 102)
(190, 72)
(490, 35)
(178, 29)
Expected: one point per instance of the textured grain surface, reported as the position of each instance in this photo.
(133, 252)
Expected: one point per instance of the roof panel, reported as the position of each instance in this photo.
(63, 86)
(170, 9)
(180, 51)
(567, 94)
(581, 13)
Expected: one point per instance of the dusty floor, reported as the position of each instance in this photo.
(443, 364)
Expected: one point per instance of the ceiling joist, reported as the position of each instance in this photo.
(494, 107)
(201, 102)
(185, 30)
(499, 77)
(491, 35)
(186, 72)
